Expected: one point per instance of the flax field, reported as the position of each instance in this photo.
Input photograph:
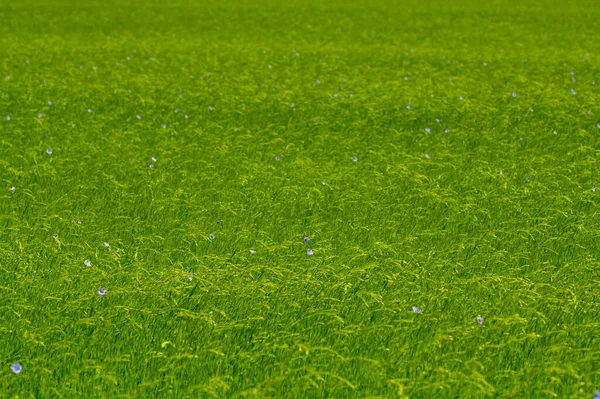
(299, 199)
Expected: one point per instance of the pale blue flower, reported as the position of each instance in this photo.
(416, 309)
(355, 159)
(49, 151)
(309, 251)
(40, 116)
(16, 368)
(252, 252)
(7, 117)
(479, 319)
(87, 263)
(106, 244)
(101, 291)
(212, 236)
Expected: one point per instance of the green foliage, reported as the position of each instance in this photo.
(449, 234)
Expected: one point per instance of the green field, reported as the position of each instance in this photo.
(174, 155)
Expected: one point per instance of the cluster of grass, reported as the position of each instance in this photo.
(439, 155)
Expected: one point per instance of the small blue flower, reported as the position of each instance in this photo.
(427, 156)
(527, 179)
(49, 102)
(479, 319)
(151, 166)
(514, 94)
(597, 395)
(87, 263)
(408, 107)
(252, 252)
(49, 151)
(309, 251)
(447, 130)
(427, 129)
(219, 223)
(593, 188)
(292, 105)
(306, 240)
(212, 236)
(555, 133)
(16, 368)
(355, 159)
(40, 116)
(277, 158)
(500, 171)
(416, 309)
(335, 96)
(89, 110)
(106, 244)
(573, 92)
(101, 291)
(164, 126)
(7, 117)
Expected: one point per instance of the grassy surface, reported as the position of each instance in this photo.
(448, 233)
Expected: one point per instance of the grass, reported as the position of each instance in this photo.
(447, 233)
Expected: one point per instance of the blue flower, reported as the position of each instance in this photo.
(87, 263)
(219, 223)
(212, 236)
(479, 319)
(277, 158)
(597, 395)
(416, 309)
(306, 240)
(309, 251)
(101, 291)
(252, 252)
(16, 368)
(355, 159)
